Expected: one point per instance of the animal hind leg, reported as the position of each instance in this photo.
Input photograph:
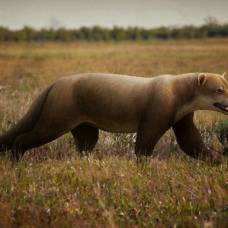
(32, 139)
(85, 137)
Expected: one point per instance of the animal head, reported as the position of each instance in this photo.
(212, 90)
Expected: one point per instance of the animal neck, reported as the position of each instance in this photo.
(185, 88)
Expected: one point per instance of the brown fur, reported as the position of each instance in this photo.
(85, 137)
(189, 139)
(85, 103)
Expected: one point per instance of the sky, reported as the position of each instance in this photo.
(76, 13)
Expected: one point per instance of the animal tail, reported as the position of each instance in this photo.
(26, 123)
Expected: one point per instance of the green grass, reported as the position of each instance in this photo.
(55, 187)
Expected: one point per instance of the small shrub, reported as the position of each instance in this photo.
(222, 133)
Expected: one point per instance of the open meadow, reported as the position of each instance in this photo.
(55, 187)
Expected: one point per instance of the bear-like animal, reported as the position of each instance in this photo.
(82, 104)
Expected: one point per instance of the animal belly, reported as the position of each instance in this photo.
(115, 124)
(118, 128)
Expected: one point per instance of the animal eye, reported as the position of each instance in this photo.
(219, 90)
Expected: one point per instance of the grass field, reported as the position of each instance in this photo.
(54, 187)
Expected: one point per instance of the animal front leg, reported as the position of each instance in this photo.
(148, 134)
(190, 140)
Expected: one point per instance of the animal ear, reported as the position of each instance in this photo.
(224, 74)
(202, 79)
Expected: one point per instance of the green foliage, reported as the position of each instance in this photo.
(222, 131)
(96, 33)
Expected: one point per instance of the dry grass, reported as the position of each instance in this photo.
(55, 187)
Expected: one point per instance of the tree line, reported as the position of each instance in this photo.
(96, 33)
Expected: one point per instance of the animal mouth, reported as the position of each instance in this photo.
(221, 107)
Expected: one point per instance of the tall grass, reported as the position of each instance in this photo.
(53, 186)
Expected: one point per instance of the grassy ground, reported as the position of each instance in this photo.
(53, 186)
